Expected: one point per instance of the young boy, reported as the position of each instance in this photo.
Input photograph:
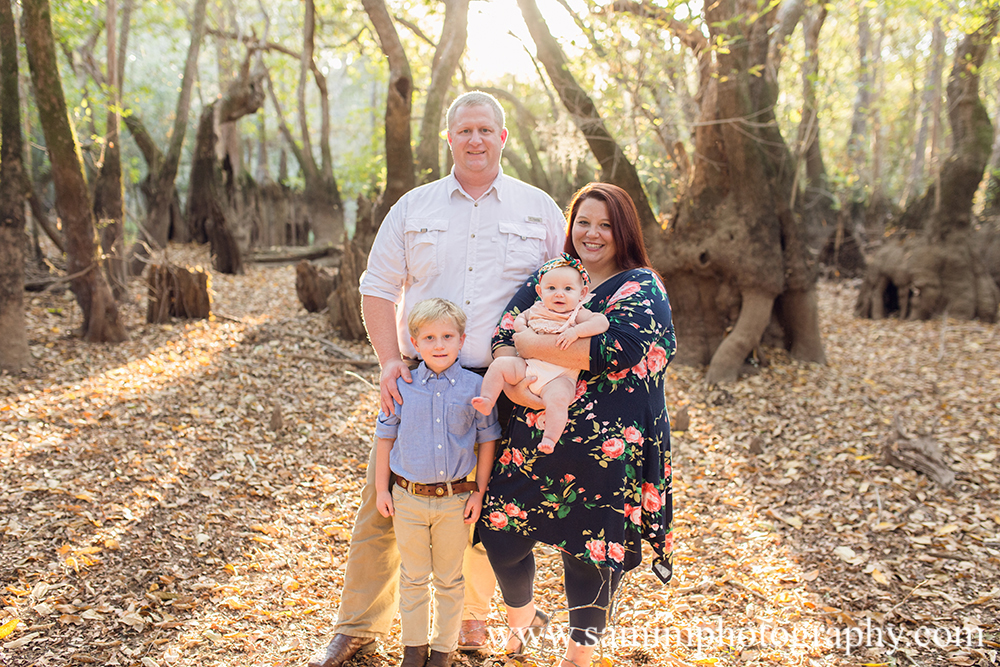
(428, 445)
(562, 289)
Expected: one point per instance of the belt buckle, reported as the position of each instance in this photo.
(439, 491)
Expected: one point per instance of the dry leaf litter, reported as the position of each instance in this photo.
(186, 498)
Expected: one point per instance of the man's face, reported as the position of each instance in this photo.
(476, 141)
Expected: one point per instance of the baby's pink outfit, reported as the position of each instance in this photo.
(542, 320)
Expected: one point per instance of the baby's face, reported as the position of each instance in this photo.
(561, 289)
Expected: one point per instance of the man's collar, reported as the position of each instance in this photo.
(497, 185)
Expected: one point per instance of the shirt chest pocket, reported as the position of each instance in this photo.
(424, 246)
(522, 247)
(460, 419)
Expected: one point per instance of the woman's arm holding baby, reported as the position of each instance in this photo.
(531, 345)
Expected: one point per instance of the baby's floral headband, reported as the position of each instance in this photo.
(565, 260)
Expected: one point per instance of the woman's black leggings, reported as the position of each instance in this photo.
(588, 587)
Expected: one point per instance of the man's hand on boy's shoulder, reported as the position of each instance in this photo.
(392, 370)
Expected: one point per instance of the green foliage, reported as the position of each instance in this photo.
(642, 78)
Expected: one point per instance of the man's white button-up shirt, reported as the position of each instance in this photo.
(437, 241)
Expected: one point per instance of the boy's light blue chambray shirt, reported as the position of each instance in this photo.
(436, 427)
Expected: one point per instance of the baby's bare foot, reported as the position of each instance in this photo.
(547, 446)
(482, 405)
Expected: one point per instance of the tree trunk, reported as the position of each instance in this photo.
(214, 200)
(322, 194)
(734, 257)
(208, 205)
(858, 139)
(932, 91)
(399, 178)
(615, 166)
(449, 50)
(944, 268)
(100, 312)
(836, 236)
(344, 302)
(177, 292)
(109, 191)
(160, 200)
(991, 207)
(878, 204)
(14, 352)
(313, 286)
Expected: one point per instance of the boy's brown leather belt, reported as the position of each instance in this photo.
(438, 490)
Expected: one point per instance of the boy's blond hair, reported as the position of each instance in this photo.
(432, 310)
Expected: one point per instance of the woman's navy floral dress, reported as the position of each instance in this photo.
(607, 485)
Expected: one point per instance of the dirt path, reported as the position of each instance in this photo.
(149, 514)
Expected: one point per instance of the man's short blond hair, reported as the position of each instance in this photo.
(434, 310)
(477, 98)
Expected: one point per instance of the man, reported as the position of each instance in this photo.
(472, 237)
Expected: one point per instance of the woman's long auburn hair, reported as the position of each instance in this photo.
(630, 251)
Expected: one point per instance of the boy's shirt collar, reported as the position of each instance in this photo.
(451, 373)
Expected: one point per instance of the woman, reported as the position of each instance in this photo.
(607, 484)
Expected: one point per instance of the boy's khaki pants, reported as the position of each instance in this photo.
(431, 535)
(371, 581)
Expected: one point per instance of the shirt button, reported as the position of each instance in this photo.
(467, 302)
(441, 473)
(438, 420)
(439, 446)
(473, 236)
(476, 205)
(470, 268)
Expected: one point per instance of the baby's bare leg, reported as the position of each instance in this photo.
(557, 395)
(502, 372)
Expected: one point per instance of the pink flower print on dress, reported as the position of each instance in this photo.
(656, 360)
(613, 447)
(634, 435)
(651, 501)
(596, 550)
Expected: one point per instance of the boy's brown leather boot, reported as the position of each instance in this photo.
(439, 659)
(414, 656)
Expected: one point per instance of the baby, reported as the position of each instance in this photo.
(562, 288)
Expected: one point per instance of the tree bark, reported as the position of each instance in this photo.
(313, 286)
(155, 233)
(213, 200)
(944, 267)
(208, 204)
(399, 178)
(109, 206)
(174, 291)
(449, 50)
(734, 256)
(322, 194)
(991, 205)
(932, 92)
(858, 138)
(14, 352)
(101, 322)
(835, 236)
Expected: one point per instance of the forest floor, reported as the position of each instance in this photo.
(155, 511)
